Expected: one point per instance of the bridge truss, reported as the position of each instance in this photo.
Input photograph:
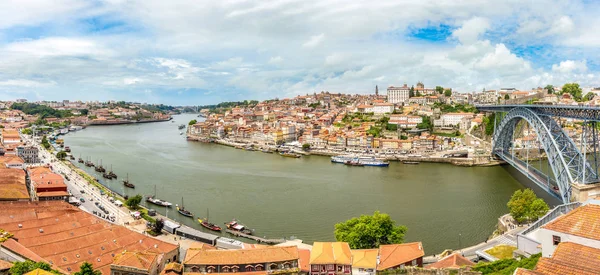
(570, 161)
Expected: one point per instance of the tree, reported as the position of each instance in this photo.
(589, 96)
(549, 88)
(426, 124)
(370, 231)
(506, 97)
(192, 122)
(20, 268)
(134, 201)
(305, 146)
(439, 89)
(574, 90)
(448, 93)
(524, 206)
(158, 226)
(84, 112)
(418, 94)
(26, 131)
(411, 92)
(61, 155)
(87, 269)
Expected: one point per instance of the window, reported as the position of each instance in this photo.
(273, 266)
(330, 267)
(414, 262)
(225, 269)
(555, 240)
(339, 268)
(259, 267)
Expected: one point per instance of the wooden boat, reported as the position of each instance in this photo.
(159, 202)
(99, 168)
(235, 226)
(72, 157)
(182, 210)
(208, 225)
(267, 151)
(127, 183)
(289, 155)
(80, 160)
(111, 174)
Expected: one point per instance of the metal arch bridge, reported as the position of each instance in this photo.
(571, 161)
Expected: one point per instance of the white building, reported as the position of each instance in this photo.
(383, 108)
(454, 119)
(398, 95)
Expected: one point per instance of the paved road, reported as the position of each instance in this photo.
(80, 188)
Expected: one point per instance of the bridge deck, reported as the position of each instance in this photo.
(566, 111)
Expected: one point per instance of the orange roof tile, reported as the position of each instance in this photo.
(65, 236)
(12, 184)
(242, 256)
(583, 222)
(393, 255)
(138, 260)
(304, 258)
(521, 271)
(4, 265)
(365, 258)
(331, 253)
(452, 261)
(39, 271)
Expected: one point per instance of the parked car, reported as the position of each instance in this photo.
(82, 200)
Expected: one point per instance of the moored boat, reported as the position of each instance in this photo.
(410, 162)
(183, 211)
(342, 159)
(159, 202)
(127, 183)
(289, 155)
(267, 151)
(371, 161)
(235, 226)
(353, 163)
(208, 225)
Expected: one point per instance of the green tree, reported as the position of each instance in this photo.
(192, 122)
(506, 97)
(158, 226)
(87, 269)
(549, 88)
(305, 146)
(439, 89)
(369, 231)
(26, 131)
(133, 202)
(426, 124)
(61, 155)
(20, 268)
(574, 90)
(411, 92)
(524, 206)
(418, 94)
(84, 112)
(448, 93)
(506, 266)
(589, 96)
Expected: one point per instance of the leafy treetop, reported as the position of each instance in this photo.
(370, 231)
(524, 206)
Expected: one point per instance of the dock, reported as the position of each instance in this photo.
(255, 238)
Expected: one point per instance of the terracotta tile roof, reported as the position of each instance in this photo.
(174, 267)
(12, 184)
(17, 248)
(521, 271)
(237, 273)
(547, 266)
(138, 260)
(52, 194)
(331, 253)
(39, 271)
(581, 256)
(71, 236)
(583, 222)
(452, 261)
(201, 246)
(4, 265)
(392, 255)
(365, 258)
(304, 258)
(242, 256)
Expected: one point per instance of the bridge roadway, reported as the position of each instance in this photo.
(531, 172)
(565, 111)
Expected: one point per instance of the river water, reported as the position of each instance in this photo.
(305, 197)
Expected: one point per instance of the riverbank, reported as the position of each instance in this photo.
(121, 122)
(475, 161)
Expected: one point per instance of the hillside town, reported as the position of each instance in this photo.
(406, 120)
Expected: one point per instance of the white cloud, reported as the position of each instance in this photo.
(57, 46)
(314, 41)
(131, 81)
(471, 30)
(563, 26)
(26, 83)
(275, 60)
(569, 66)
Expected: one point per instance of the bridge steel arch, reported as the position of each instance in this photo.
(568, 164)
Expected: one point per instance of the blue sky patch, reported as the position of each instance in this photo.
(431, 33)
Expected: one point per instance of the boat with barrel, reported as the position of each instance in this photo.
(154, 200)
(289, 155)
(208, 225)
(234, 225)
(183, 211)
(99, 168)
(127, 183)
(89, 163)
(80, 160)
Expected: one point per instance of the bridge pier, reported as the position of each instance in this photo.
(584, 192)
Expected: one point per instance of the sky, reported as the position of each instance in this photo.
(199, 52)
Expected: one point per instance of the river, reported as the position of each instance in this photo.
(305, 197)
